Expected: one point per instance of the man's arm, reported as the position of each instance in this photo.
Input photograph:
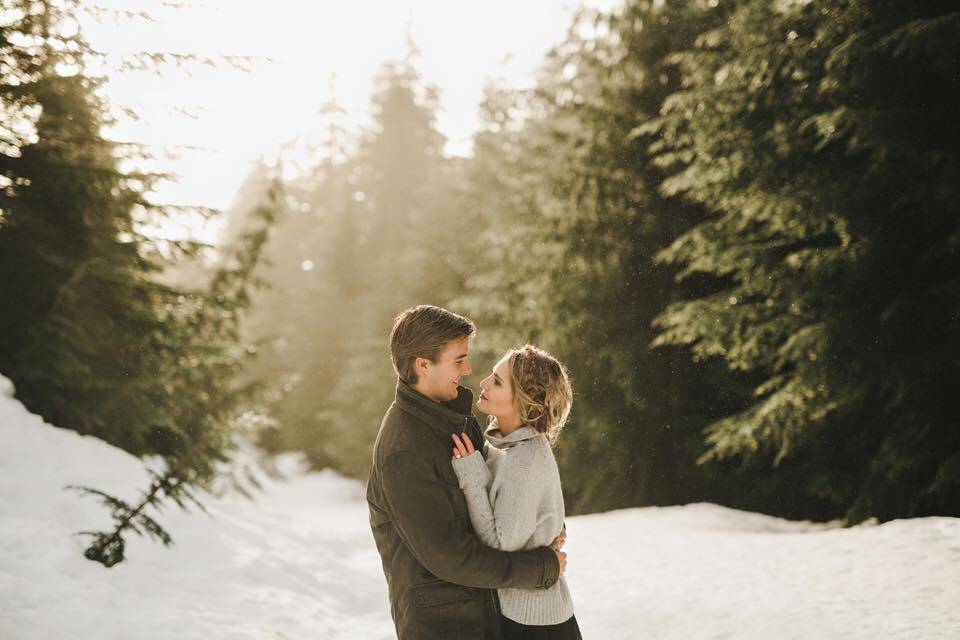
(423, 515)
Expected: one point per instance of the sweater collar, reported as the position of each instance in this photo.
(500, 441)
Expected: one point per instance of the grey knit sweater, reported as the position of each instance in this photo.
(515, 504)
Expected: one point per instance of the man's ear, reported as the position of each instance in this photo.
(420, 366)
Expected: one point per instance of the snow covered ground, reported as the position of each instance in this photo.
(299, 562)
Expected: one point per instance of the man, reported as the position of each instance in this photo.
(441, 578)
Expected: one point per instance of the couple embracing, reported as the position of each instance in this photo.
(470, 525)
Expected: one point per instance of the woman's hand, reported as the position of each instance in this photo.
(463, 447)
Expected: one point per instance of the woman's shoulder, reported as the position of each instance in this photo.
(532, 452)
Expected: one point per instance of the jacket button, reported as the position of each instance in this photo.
(548, 583)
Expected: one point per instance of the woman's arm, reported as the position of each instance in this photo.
(508, 519)
(416, 504)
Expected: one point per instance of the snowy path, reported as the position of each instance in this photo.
(300, 563)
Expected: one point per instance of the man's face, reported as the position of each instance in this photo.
(438, 380)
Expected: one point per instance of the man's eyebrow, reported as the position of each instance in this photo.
(462, 356)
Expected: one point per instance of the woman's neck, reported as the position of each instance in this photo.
(508, 425)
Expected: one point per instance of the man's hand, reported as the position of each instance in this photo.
(562, 559)
(557, 543)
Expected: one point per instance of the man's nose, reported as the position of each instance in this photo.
(468, 369)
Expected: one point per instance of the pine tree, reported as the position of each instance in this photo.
(406, 237)
(73, 269)
(108, 548)
(576, 219)
(376, 232)
(818, 135)
(91, 336)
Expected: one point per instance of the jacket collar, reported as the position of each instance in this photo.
(500, 441)
(441, 416)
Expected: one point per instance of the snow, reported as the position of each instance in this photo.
(299, 562)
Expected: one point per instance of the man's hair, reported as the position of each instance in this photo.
(422, 332)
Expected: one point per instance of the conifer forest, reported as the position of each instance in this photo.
(737, 222)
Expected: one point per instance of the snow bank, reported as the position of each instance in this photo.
(299, 562)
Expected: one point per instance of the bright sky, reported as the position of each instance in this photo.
(319, 51)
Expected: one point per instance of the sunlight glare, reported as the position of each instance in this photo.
(318, 53)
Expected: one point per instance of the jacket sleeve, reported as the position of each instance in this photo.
(427, 522)
(508, 519)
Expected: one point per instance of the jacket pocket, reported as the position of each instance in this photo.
(448, 611)
(440, 593)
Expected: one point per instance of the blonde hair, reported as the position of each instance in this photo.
(542, 393)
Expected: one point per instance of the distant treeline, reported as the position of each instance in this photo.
(736, 221)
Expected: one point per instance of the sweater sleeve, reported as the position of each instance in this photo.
(507, 518)
(428, 526)
(472, 472)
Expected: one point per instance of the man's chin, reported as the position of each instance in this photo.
(448, 394)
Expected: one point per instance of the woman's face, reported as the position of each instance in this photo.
(496, 397)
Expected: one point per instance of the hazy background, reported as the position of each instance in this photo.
(735, 222)
(307, 55)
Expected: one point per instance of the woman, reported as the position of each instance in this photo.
(514, 497)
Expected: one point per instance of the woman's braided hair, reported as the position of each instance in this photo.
(541, 390)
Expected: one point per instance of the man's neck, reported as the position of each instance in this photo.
(419, 389)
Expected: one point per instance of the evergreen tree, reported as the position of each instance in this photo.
(108, 548)
(72, 271)
(311, 268)
(376, 231)
(90, 336)
(640, 410)
(820, 137)
(574, 220)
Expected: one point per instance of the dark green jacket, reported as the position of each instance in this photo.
(441, 578)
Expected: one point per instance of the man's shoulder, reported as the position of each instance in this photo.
(399, 421)
(399, 431)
